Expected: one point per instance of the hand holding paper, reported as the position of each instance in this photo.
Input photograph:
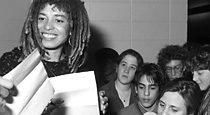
(35, 90)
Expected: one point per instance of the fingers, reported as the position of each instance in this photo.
(54, 103)
(103, 101)
(3, 92)
(6, 83)
(2, 102)
(57, 101)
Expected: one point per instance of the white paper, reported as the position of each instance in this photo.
(79, 93)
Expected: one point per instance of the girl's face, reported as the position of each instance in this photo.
(126, 69)
(172, 103)
(202, 78)
(53, 27)
(147, 92)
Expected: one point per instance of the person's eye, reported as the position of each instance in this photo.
(174, 110)
(60, 21)
(141, 87)
(133, 68)
(123, 64)
(177, 67)
(200, 72)
(153, 87)
(161, 104)
(168, 69)
(41, 18)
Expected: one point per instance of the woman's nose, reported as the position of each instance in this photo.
(48, 25)
(126, 70)
(195, 77)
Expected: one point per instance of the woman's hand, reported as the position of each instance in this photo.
(103, 101)
(5, 90)
(6, 87)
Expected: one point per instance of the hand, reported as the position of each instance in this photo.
(54, 104)
(103, 101)
(5, 86)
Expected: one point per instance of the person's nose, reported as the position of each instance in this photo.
(146, 92)
(126, 69)
(173, 72)
(48, 25)
(195, 77)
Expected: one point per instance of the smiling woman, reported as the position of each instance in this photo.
(60, 30)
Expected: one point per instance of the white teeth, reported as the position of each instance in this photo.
(49, 35)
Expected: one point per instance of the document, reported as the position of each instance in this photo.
(35, 90)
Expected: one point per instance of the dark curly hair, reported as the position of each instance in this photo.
(169, 53)
(80, 31)
(200, 59)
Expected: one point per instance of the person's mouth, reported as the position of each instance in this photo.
(48, 35)
(125, 76)
(146, 100)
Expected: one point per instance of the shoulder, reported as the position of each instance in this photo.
(108, 86)
(15, 53)
(9, 60)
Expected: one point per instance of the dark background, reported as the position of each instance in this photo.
(199, 21)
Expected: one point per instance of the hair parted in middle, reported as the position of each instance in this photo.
(79, 35)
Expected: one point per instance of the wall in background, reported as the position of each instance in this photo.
(143, 25)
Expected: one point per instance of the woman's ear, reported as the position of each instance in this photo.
(136, 89)
(184, 68)
(116, 68)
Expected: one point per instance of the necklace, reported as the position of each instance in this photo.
(124, 96)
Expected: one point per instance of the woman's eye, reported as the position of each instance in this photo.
(174, 110)
(141, 87)
(199, 72)
(123, 64)
(40, 18)
(60, 21)
(133, 68)
(161, 104)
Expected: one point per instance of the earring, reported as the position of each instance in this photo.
(69, 41)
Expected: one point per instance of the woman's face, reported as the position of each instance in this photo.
(53, 27)
(126, 69)
(174, 69)
(172, 103)
(201, 77)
